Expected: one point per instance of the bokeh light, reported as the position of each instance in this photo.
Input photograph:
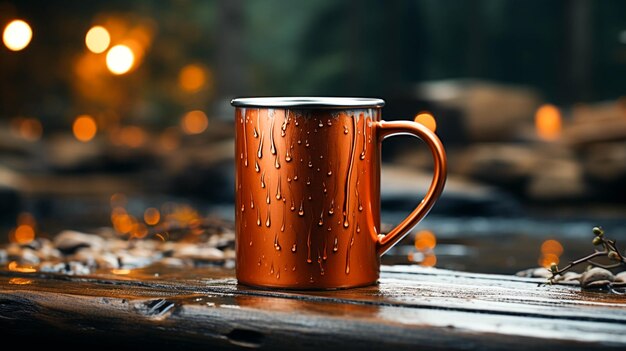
(29, 129)
(132, 136)
(17, 35)
(430, 260)
(84, 128)
(15, 267)
(551, 251)
(194, 122)
(120, 59)
(118, 200)
(24, 234)
(551, 246)
(169, 139)
(548, 122)
(192, 78)
(426, 119)
(425, 240)
(151, 216)
(97, 39)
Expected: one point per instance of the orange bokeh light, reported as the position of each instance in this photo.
(97, 39)
(551, 246)
(139, 230)
(13, 266)
(551, 251)
(122, 222)
(132, 136)
(429, 260)
(170, 139)
(27, 128)
(24, 234)
(84, 128)
(548, 122)
(192, 78)
(151, 216)
(118, 200)
(425, 240)
(426, 119)
(547, 260)
(194, 122)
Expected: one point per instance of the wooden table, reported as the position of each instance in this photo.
(411, 308)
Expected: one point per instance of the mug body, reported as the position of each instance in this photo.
(307, 195)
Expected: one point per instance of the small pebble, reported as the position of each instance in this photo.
(196, 252)
(107, 260)
(596, 277)
(538, 272)
(69, 241)
(176, 262)
(570, 277)
(29, 256)
(69, 268)
(129, 261)
(620, 277)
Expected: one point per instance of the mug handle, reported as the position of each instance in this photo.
(386, 129)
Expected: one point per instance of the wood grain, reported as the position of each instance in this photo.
(411, 306)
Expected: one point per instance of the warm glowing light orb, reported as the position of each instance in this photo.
(97, 39)
(425, 240)
(120, 59)
(24, 234)
(548, 122)
(426, 119)
(191, 78)
(194, 122)
(17, 35)
(84, 128)
(30, 129)
(151, 216)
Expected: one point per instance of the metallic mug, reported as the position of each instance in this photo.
(308, 190)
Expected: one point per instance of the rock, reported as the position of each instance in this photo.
(230, 254)
(197, 252)
(127, 260)
(538, 272)
(596, 277)
(114, 245)
(49, 267)
(107, 260)
(69, 268)
(620, 277)
(69, 241)
(85, 255)
(48, 253)
(222, 241)
(14, 252)
(29, 256)
(176, 262)
(570, 277)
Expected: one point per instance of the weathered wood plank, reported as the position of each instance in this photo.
(410, 306)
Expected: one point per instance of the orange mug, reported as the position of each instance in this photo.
(308, 190)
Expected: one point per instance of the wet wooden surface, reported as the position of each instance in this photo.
(411, 307)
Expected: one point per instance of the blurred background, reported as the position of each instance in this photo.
(116, 114)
